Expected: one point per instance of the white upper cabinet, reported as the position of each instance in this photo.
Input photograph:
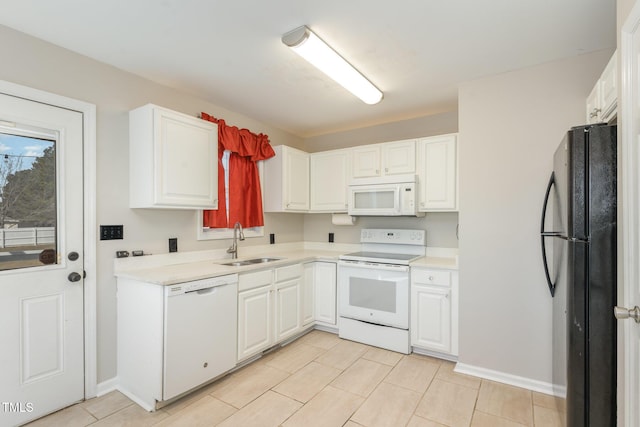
(330, 171)
(609, 89)
(172, 160)
(286, 181)
(593, 105)
(399, 157)
(389, 158)
(602, 102)
(366, 161)
(437, 173)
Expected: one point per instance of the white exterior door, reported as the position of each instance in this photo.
(41, 259)
(629, 235)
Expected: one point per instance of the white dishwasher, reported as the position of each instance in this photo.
(200, 323)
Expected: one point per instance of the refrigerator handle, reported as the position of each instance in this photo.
(544, 234)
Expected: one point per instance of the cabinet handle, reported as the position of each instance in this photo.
(431, 278)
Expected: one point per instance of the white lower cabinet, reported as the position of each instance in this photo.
(254, 321)
(269, 308)
(324, 279)
(434, 310)
(308, 297)
(287, 308)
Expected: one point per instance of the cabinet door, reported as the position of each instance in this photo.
(185, 153)
(296, 180)
(172, 160)
(307, 294)
(254, 321)
(366, 161)
(329, 181)
(325, 292)
(399, 157)
(437, 174)
(431, 318)
(609, 89)
(593, 105)
(287, 308)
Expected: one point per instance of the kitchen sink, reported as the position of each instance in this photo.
(251, 261)
(237, 263)
(261, 260)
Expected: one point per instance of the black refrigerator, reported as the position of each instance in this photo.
(579, 258)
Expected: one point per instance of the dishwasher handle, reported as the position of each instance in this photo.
(202, 287)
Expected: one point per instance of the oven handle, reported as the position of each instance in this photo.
(373, 266)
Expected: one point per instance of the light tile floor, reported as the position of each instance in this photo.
(322, 380)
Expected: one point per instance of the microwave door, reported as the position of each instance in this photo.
(375, 200)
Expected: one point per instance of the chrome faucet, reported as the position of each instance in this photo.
(233, 250)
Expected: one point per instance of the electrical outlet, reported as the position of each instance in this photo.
(111, 232)
(330, 237)
(272, 238)
(173, 244)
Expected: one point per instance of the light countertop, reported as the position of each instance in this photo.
(172, 273)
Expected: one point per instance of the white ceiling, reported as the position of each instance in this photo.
(230, 53)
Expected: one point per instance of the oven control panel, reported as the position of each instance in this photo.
(395, 236)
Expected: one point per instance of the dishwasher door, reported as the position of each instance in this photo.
(200, 332)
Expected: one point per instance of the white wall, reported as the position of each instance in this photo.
(34, 63)
(436, 124)
(510, 125)
(440, 228)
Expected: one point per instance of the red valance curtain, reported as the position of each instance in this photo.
(245, 198)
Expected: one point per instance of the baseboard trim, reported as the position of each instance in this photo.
(107, 386)
(326, 328)
(502, 377)
(147, 406)
(436, 354)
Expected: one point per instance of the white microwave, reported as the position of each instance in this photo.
(385, 196)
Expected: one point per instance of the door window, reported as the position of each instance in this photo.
(28, 202)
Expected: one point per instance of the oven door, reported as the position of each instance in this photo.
(374, 293)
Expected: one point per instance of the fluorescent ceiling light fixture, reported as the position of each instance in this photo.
(307, 44)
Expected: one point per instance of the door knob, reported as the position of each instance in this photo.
(625, 313)
(74, 277)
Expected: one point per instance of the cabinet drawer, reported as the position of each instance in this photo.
(254, 280)
(431, 277)
(289, 272)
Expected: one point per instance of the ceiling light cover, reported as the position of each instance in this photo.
(308, 45)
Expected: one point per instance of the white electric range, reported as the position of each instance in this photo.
(373, 288)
